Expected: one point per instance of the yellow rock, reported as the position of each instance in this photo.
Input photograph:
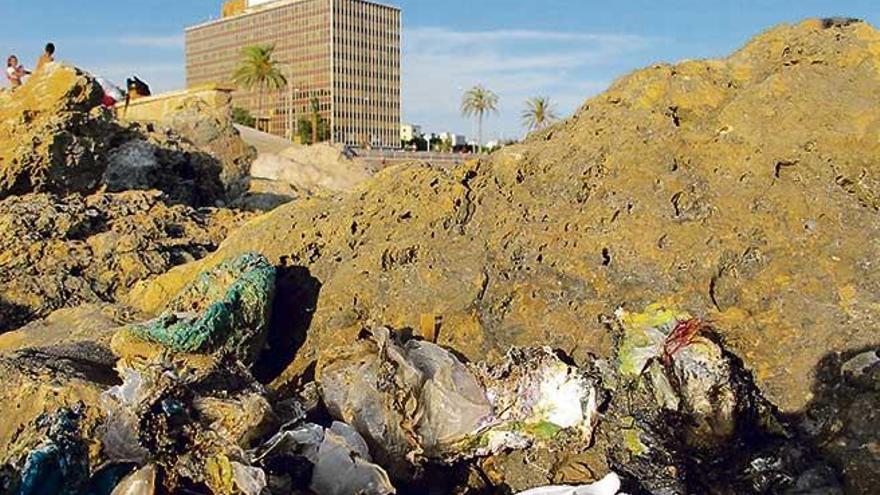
(742, 189)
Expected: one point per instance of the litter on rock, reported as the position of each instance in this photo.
(454, 410)
(226, 308)
(339, 458)
(689, 416)
(609, 485)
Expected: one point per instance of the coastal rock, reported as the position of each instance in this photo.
(743, 189)
(61, 252)
(50, 141)
(57, 139)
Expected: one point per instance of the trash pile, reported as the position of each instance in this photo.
(416, 401)
(173, 407)
(691, 419)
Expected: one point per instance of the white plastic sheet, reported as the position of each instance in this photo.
(610, 485)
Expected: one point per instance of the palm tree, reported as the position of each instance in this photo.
(539, 113)
(258, 70)
(477, 102)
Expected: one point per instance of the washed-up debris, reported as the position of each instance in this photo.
(193, 428)
(609, 485)
(844, 417)
(226, 308)
(687, 370)
(61, 465)
(688, 417)
(416, 400)
(343, 465)
(865, 364)
(164, 419)
(140, 482)
(535, 396)
(331, 461)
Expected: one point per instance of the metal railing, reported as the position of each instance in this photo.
(403, 155)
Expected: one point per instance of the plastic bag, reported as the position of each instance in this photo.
(416, 400)
(343, 466)
(610, 485)
(248, 479)
(140, 482)
(341, 460)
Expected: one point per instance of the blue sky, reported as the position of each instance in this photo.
(566, 49)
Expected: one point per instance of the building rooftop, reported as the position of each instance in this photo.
(263, 5)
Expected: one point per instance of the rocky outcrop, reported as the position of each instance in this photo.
(55, 138)
(50, 141)
(318, 169)
(744, 189)
(198, 121)
(69, 239)
(62, 252)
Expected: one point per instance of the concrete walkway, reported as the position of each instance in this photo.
(263, 141)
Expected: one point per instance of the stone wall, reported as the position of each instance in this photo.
(157, 108)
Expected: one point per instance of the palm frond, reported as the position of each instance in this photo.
(538, 113)
(258, 69)
(479, 101)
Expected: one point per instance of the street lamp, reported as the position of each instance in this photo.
(291, 108)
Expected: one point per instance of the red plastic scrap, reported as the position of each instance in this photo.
(683, 335)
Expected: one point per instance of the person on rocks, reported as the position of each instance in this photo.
(47, 57)
(15, 72)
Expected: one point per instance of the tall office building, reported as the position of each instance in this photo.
(343, 55)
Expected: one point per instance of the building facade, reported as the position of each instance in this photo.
(408, 132)
(341, 57)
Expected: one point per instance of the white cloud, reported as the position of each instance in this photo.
(431, 35)
(175, 41)
(517, 64)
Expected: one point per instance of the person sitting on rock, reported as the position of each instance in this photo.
(47, 57)
(15, 72)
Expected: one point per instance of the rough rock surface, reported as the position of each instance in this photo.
(89, 323)
(62, 252)
(55, 138)
(745, 189)
(318, 169)
(212, 132)
(49, 139)
(42, 381)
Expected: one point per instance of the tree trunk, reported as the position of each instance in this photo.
(260, 109)
(480, 133)
(314, 127)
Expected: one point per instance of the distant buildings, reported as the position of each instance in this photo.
(408, 132)
(457, 140)
(342, 54)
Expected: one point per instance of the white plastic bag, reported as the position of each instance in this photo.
(610, 485)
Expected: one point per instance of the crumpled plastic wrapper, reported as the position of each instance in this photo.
(609, 485)
(415, 400)
(340, 459)
(686, 416)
